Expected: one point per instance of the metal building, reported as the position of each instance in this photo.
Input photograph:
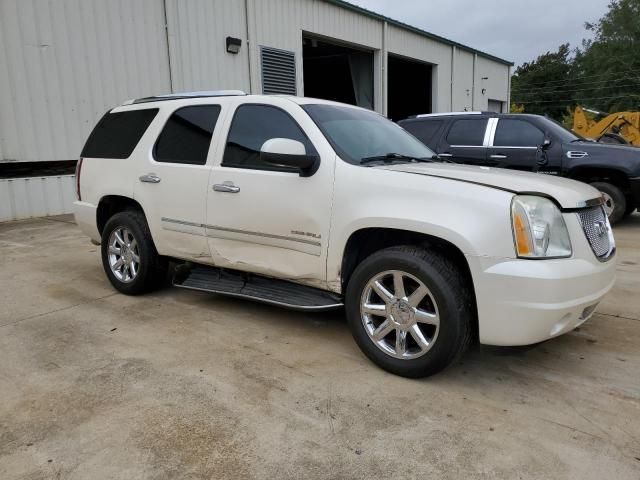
(64, 63)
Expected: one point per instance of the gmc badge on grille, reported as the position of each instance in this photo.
(601, 228)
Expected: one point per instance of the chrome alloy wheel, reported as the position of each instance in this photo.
(400, 315)
(124, 255)
(609, 204)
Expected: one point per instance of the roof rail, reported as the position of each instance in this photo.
(183, 95)
(447, 114)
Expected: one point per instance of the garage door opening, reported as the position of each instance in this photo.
(409, 88)
(336, 72)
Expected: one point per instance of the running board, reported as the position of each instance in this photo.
(255, 287)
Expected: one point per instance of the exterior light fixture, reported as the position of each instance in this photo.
(233, 45)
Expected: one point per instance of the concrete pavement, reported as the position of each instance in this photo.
(180, 384)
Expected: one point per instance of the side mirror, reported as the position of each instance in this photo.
(546, 143)
(285, 152)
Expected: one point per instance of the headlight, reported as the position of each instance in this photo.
(539, 230)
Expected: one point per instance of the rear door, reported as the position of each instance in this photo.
(515, 143)
(173, 178)
(465, 141)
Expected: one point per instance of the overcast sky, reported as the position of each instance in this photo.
(516, 30)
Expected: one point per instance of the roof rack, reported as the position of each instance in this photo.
(183, 95)
(447, 114)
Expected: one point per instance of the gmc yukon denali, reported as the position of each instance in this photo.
(316, 205)
(536, 144)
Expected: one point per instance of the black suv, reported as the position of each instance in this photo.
(534, 143)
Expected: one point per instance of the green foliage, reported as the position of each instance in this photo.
(603, 73)
(515, 108)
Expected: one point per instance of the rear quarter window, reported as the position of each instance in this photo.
(117, 134)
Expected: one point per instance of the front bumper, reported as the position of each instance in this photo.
(521, 302)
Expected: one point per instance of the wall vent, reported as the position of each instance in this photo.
(278, 71)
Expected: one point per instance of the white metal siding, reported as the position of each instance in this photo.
(197, 39)
(36, 196)
(496, 86)
(463, 81)
(64, 63)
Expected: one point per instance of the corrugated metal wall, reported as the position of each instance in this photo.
(36, 196)
(64, 63)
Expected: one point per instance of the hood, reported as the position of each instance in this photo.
(568, 193)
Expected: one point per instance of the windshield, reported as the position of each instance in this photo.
(357, 134)
(560, 132)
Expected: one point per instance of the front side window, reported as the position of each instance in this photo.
(187, 134)
(252, 126)
(467, 132)
(517, 133)
(356, 134)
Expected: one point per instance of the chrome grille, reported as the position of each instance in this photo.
(598, 231)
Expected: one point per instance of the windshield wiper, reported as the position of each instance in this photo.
(390, 157)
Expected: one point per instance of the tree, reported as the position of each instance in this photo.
(603, 73)
(607, 68)
(541, 86)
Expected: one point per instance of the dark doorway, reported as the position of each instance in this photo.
(409, 88)
(336, 72)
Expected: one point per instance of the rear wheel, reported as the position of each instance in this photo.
(615, 203)
(129, 256)
(409, 311)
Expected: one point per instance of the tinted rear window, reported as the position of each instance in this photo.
(187, 135)
(424, 130)
(467, 132)
(117, 134)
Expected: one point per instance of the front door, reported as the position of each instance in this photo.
(464, 142)
(264, 218)
(172, 183)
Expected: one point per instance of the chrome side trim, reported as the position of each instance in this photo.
(261, 234)
(244, 232)
(577, 154)
(305, 308)
(182, 222)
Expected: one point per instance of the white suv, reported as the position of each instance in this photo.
(313, 205)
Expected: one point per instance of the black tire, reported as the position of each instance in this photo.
(451, 293)
(153, 268)
(617, 200)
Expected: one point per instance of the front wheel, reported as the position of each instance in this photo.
(129, 256)
(409, 310)
(615, 203)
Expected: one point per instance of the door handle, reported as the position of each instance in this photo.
(150, 178)
(226, 187)
(446, 155)
(498, 156)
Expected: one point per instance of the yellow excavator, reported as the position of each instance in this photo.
(621, 127)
